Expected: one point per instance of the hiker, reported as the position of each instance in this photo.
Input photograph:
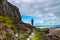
(32, 21)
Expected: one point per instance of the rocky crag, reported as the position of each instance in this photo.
(11, 25)
(7, 9)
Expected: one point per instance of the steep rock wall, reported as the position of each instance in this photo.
(7, 9)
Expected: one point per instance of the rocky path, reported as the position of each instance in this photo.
(30, 36)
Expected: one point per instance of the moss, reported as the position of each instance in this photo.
(1, 18)
(14, 29)
(6, 19)
(8, 36)
(9, 21)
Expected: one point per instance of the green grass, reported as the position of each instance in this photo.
(6, 20)
(43, 27)
(9, 21)
(38, 35)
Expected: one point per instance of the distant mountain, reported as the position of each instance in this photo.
(57, 26)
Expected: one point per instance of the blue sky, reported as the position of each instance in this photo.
(44, 12)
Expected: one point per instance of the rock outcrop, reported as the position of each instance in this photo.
(7, 9)
(11, 20)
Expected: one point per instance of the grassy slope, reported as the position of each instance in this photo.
(9, 21)
(38, 35)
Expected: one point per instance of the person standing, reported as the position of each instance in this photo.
(32, 21)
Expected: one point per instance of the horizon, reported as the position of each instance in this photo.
(44, 12)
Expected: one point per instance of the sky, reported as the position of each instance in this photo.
(44, 12)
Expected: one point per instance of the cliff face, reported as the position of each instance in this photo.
(11, 23)
(8, 9)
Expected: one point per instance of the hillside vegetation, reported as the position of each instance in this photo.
(8, 30)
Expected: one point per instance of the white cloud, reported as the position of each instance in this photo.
(26, 21)
(17, 1)
(39, 15)
(46, 9)
(26, 0)
(41, 22)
